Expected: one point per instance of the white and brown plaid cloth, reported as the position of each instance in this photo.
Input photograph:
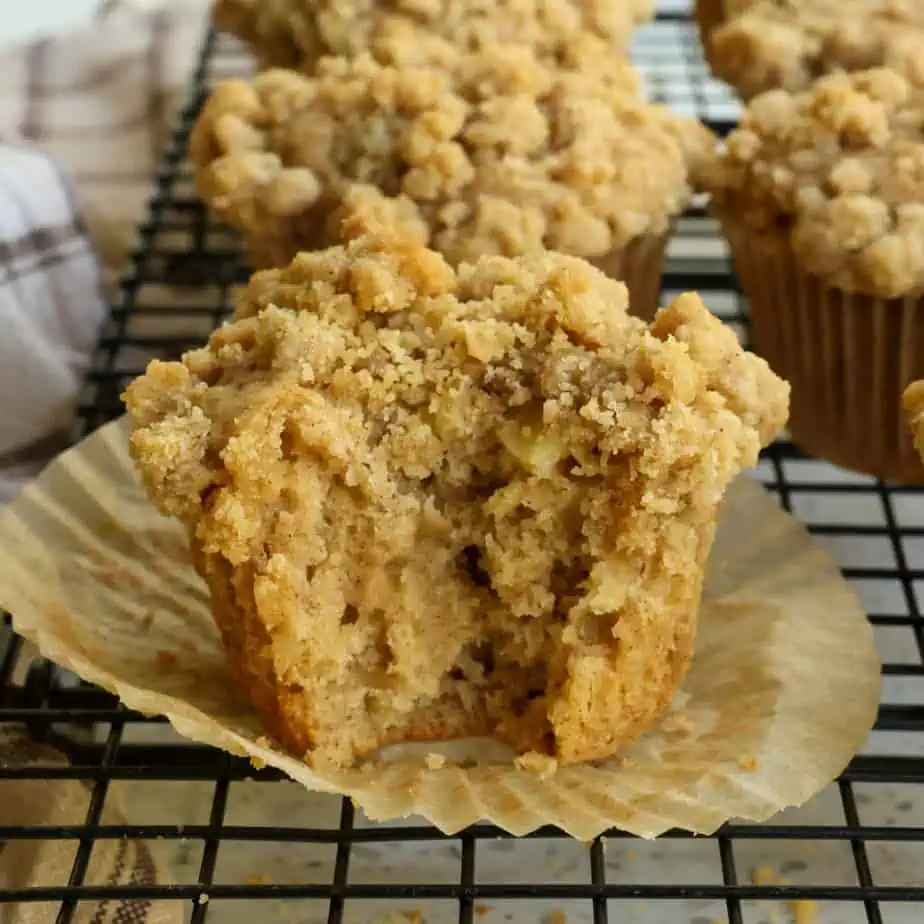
(83, 117)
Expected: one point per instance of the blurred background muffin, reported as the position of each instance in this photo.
(296, 33)
(758, 45)
(491, 152)
(821, 197)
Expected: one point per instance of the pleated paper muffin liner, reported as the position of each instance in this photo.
(848, 357)
(782, 692)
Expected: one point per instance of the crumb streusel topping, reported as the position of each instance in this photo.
(295, 33)
(840, 168)
(495, 152)
(768, 44)
(434, 502)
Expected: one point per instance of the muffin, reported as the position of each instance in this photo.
(296, 33)
(433, 502)
(493, 152)
(821, 197)
(710, 14)
(759, 45)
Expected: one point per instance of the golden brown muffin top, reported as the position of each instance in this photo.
(493, 152)
(768, 44)
(295, 33)
(840, 168)
(405, 379)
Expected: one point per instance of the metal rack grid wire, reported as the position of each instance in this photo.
(869, 824)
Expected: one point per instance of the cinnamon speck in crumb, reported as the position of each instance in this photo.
(749, 762)
(165, 660)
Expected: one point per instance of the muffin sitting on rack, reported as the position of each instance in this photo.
(433, 503)
(821, 196)
(296, 33)
(758, 45)
(492, 152)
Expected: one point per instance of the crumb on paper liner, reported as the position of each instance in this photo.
(783, 689)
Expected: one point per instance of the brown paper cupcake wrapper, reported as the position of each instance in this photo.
(783, 688)
(639, 265)
(847, 356)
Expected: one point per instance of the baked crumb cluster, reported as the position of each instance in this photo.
(767, 44)
(840, 168)
(913, 403)
(295, 33)
(494, 152)
(434, 502)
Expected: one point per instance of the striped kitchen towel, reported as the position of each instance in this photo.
(51, 307)
(100, 100)
(42, 863)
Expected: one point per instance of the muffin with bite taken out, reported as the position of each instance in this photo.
(433, 503)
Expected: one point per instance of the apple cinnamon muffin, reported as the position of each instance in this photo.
(434, 502)
(493, 152)
(821, 196)
(764, 44)
(297, 33)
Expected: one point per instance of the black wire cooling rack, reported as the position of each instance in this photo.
(240, 846)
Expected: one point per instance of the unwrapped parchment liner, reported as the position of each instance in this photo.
(848, 356)
(783, 689)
